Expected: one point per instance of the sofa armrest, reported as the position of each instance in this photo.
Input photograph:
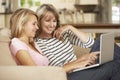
(32, 73)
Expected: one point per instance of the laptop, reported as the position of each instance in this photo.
(106, 50)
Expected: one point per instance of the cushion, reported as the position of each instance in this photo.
(5, 55)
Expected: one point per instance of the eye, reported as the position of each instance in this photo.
(47, 20)
(54, 20)
(33, 23)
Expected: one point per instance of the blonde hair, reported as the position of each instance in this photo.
(18, 19)
(41, 12)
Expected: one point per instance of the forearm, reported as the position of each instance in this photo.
(68, 67)
(81, 35)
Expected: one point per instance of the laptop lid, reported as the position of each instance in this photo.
(106, 47)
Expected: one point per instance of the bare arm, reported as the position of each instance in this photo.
(83, 36)
(74, 65)
(87, 59)
(24, 58)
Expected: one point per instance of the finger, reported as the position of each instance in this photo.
(57, 35)
(95, 56)
(94, 59)
(97, 52)
(88, 64)
(54, 33)
(92, 62)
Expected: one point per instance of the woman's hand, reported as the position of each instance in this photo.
(82, 35)
(74, 65)
(58, 32)
(92, 57)
(87, 59)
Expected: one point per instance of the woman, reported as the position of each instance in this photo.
(60, 52)
(56, 43)
(23, 25)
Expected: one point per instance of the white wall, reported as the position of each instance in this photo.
(69, 4)
(87, 1)
(2, 8)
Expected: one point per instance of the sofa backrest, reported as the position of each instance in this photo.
(5, 55)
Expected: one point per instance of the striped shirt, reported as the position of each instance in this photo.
(60, 52)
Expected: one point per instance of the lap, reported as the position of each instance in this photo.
(104, 72)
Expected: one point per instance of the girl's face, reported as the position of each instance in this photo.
(29, 29)
(48, 23)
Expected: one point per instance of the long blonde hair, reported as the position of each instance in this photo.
(18, 19)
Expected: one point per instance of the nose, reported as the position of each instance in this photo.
(37, 27)
(52, 24)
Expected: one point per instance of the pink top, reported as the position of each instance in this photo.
(39, 59)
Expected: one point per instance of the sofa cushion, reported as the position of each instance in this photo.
(32, 73)
(5, 55)
(81, 51)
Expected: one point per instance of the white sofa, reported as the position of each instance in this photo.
(10, 71)
(31, 73)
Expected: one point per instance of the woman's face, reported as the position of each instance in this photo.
(48, 23)
(30, 27)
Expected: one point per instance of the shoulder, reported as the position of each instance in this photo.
(17, 45)
(17, 42)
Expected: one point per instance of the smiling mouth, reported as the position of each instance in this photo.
(51, 29)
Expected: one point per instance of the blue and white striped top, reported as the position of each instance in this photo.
(60, 52)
